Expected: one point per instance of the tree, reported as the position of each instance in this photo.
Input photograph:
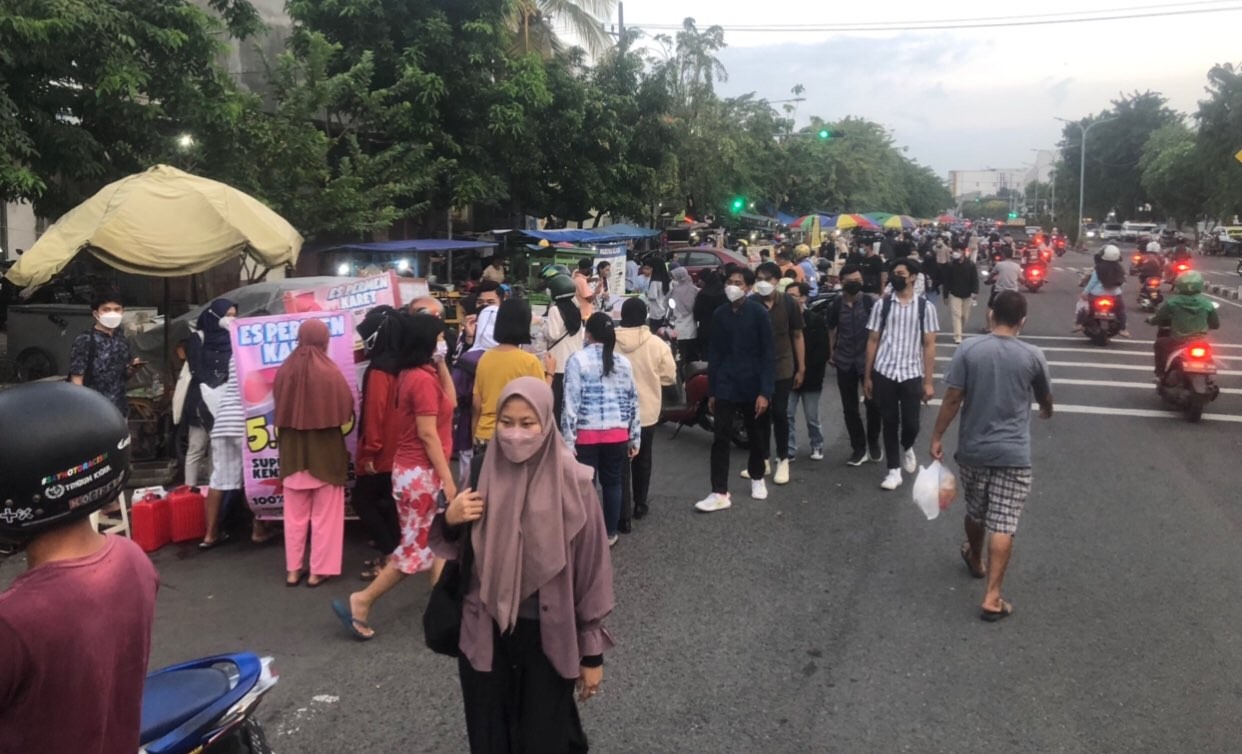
(92, 90)
(1219, 138)
(1172, 174)
(532, 25)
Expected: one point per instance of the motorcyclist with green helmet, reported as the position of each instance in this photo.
(1185, 315)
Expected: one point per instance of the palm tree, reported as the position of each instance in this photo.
(534, 24)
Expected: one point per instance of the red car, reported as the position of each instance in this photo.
(706, 258)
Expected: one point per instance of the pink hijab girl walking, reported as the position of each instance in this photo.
(532, 626)
(313, 403)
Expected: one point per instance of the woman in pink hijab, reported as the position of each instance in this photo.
(532, 623)
(313, 404)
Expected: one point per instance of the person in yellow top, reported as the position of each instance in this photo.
(504, 363)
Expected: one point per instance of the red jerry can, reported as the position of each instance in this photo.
(188, 519)
(149, 524)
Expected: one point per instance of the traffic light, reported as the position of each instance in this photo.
(1013, 215)
(824, 134)
(737, 205)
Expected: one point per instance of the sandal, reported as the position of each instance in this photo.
(966, 553)
(992, 616)
(297, 580)
(370, 574)
(350, 622)
(312, 583)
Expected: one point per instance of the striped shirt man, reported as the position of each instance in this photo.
(900, 354)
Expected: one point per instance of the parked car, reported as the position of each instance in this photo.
(1132, 231)
(706, 258)
(1110, 231)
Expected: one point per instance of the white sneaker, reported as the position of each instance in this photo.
(767, 470)
(908, 462)
(758, 489)
(817, 454)
(713, 502)
(612, 541)
(782, 473)
(892, 481)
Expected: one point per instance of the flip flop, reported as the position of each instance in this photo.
(296, 581)
(349, 621)
(992, 616)
(966, 553)
(316, 584)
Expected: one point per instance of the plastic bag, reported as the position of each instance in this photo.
(935, 487)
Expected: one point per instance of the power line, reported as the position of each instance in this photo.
(976, 23)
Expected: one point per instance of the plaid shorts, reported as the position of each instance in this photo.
(995, 495)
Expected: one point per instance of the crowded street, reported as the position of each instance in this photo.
(833, 616)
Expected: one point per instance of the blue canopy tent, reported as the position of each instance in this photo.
(593, 236)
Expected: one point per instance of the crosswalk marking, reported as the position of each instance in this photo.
(1112, 352)
(1138, 412)
(1114, 383)
(1116, 346)
(1127, 367)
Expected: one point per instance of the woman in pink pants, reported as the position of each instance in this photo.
(313, 403)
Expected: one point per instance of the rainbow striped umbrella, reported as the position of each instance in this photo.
(845, 222)
(900, 222)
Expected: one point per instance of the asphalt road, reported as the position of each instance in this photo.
(833, 616)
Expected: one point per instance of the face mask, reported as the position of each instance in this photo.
(765, 287)
(227, 322)
(734, 292)
(852, 287)
(442, 348)
(111, 320)
(956, 255)
(518, 444)
(899, 284)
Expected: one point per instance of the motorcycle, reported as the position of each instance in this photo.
(1150, 297)
(1189, 378)
(1171, 272)
(1102, 323)
(685, 402)
(1034, 275)
(1058, 245)
(207, 705)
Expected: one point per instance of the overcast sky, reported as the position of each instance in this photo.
(961, 99)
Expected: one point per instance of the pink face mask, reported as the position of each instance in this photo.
(518, 444)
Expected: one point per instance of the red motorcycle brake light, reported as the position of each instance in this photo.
(1153, 282)
(1136, 258)
(1199, 351)
(1183, 267)
(1104, 303)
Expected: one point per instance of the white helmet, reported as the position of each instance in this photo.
(1111, 254)
(1153, 248)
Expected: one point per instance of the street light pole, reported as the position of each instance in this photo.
(1082, 164)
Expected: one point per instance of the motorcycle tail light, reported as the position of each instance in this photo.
(1136, 258)
(1183, 267)
(1199, 351)
(1153, 282)
(1103, 303)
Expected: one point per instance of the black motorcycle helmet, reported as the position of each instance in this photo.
(64, 454)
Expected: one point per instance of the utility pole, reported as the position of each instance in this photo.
(621, 19)
(1082, 164)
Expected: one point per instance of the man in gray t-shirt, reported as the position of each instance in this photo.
(991, 380)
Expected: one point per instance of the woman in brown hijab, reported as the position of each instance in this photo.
(313, 403)
(532, 622)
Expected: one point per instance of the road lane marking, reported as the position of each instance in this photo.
(1115, 346)
(1116, 352)
(1127, 367)
(1114, 383)
(1142, 413)
(1223, 300)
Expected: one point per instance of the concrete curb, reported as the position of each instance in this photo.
(1234, 293)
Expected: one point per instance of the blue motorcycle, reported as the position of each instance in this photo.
(207, 705)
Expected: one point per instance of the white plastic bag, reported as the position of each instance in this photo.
(927, 490)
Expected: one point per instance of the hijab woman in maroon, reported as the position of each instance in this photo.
(313, 403)
(532, 624)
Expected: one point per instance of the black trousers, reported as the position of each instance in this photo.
(848, 383)
(372, 500)
(724, 417)
(558, 396)
(776, 419)
(637, 483)
(689, 350)
(522, 706)
(899, 407)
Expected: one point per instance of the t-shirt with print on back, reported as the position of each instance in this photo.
(497, 368)
(74, 640)
(999, 376)
(419, 393)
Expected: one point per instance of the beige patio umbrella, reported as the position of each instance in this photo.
(161, 222)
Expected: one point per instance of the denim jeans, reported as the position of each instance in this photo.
(608, 460)
(810, 409)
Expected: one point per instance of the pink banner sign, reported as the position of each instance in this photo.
(356, 295)
(260, 346)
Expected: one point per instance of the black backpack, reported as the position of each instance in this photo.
(888, 305)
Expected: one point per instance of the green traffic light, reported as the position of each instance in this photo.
(738, 204)
(825, 133)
